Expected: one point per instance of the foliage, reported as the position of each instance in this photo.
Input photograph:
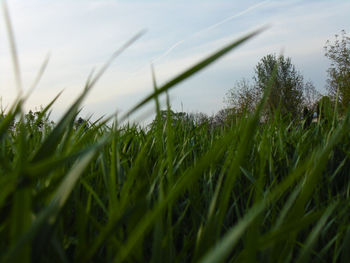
(325, 109)
(223, 117)
(339, 71)
(310, 96)
(174, 118)
(287, 88)
(243, 98)
(250, 192)
(289, 93)
(178, 193)
(199, 118)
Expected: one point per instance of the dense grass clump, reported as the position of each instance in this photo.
(249, 191)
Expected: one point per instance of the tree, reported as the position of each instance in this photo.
(199, 118)
(223, 117)
(339, 71)
(310, 96)
(243, 98)
(176, 118)
(288, 93)
(287, 87)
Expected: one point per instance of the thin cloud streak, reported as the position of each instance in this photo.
(207, 29)
(82, 37)
(196, 34)
(272, 41)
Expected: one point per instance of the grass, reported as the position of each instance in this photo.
(176, 192)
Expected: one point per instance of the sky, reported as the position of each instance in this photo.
(81, 35)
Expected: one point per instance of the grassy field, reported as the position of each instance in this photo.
(175, 192)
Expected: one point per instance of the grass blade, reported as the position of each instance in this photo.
(191, 71)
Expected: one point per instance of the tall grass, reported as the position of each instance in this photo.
(247, 192)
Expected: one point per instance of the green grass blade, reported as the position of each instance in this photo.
(13, 48)
(48, 216)
(192, 70)
(304, 255)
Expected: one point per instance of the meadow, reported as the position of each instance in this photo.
(108, 191)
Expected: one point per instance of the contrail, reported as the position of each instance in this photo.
(210, 28)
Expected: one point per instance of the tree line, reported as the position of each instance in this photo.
(290, 95)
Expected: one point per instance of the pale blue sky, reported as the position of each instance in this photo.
(82, 34)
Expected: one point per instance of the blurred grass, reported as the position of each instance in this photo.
(175, 192)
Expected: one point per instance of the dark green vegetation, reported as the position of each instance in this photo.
(339, 71)
(289, 94)
(247, 191)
